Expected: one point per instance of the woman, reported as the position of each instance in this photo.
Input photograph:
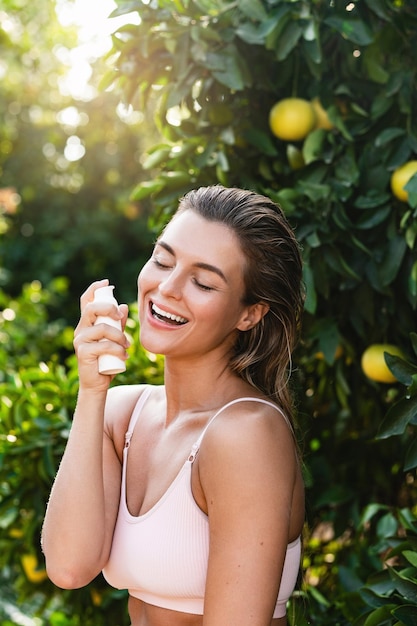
(190, 494)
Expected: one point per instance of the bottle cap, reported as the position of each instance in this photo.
(104, 293)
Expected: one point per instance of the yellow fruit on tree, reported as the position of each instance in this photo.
(291, 119)
(322, 119)
(400, 178)
(373, 362)
(32, 570)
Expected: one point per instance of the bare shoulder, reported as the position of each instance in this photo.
(251, 426)
(120, 404)
(245, 440)
(122, 398)
(248, 463)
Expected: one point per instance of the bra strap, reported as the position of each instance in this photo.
(196, 446)
(135, 414)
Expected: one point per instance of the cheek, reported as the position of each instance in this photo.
(144, 278)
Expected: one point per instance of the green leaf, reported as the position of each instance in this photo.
(175, 179)
(319, 597)
(373, 218)
(182, 87)
(257, 34)
(406, 614)
(124, 7)
(404, 585)
(411, 188)
(398, 417)
(253, 9)
(387, 526)
(394, 255)
(410, 237)
(380, 583)
(146, 189)
(336, 262)
(411, 557)
(261, 140)
(370, 511)
(312, 44)
(156, 157)
(9, 516)
(372, 200)
(282, 16)
(313, 145)
(379, 7)
(228, 68)
(314, 240)
(313, 53)
(315, 191)
(410, 461)
(288, 40)
(286, 198)
(373, 63)
(373, 600)
(205, 33)
(353, 29)
(387, 135)
(359, 244)
(380, 616)
(310, 303)
(401, 369)
(251, 34)
(380, 106)
(329, 340)
(409, 521)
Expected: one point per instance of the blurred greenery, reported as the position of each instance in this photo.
(181, 99)
(67, 165)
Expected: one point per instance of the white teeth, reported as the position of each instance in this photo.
(170, 316)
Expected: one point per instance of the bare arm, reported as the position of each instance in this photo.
(248, 471)
(82, 509)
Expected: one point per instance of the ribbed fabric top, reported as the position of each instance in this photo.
(161, 557)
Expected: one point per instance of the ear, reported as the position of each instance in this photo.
(253, 315)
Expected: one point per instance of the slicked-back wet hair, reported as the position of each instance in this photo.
(272, 274)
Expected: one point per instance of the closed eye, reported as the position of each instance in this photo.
(201, 286)
(159, 264)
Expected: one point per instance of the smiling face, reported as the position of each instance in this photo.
(191, 290)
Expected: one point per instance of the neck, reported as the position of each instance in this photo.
(200, 386)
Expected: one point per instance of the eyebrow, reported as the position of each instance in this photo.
(200, 265)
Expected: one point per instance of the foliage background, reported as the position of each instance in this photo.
(199, 79)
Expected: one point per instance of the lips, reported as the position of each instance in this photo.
(167, 317)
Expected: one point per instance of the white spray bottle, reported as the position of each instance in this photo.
(108, 363)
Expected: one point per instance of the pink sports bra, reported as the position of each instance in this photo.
(161, 557)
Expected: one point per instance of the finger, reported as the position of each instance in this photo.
(88, 295)
(124, 311)
(93, 309)
(89, 352)
(91, 334)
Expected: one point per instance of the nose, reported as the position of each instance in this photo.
(171, 286)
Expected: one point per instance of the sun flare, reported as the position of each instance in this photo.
(94, 26)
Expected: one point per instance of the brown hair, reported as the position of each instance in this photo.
(273, 275)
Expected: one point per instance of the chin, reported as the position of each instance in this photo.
(149, 343)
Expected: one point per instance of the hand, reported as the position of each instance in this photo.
(91, 341)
